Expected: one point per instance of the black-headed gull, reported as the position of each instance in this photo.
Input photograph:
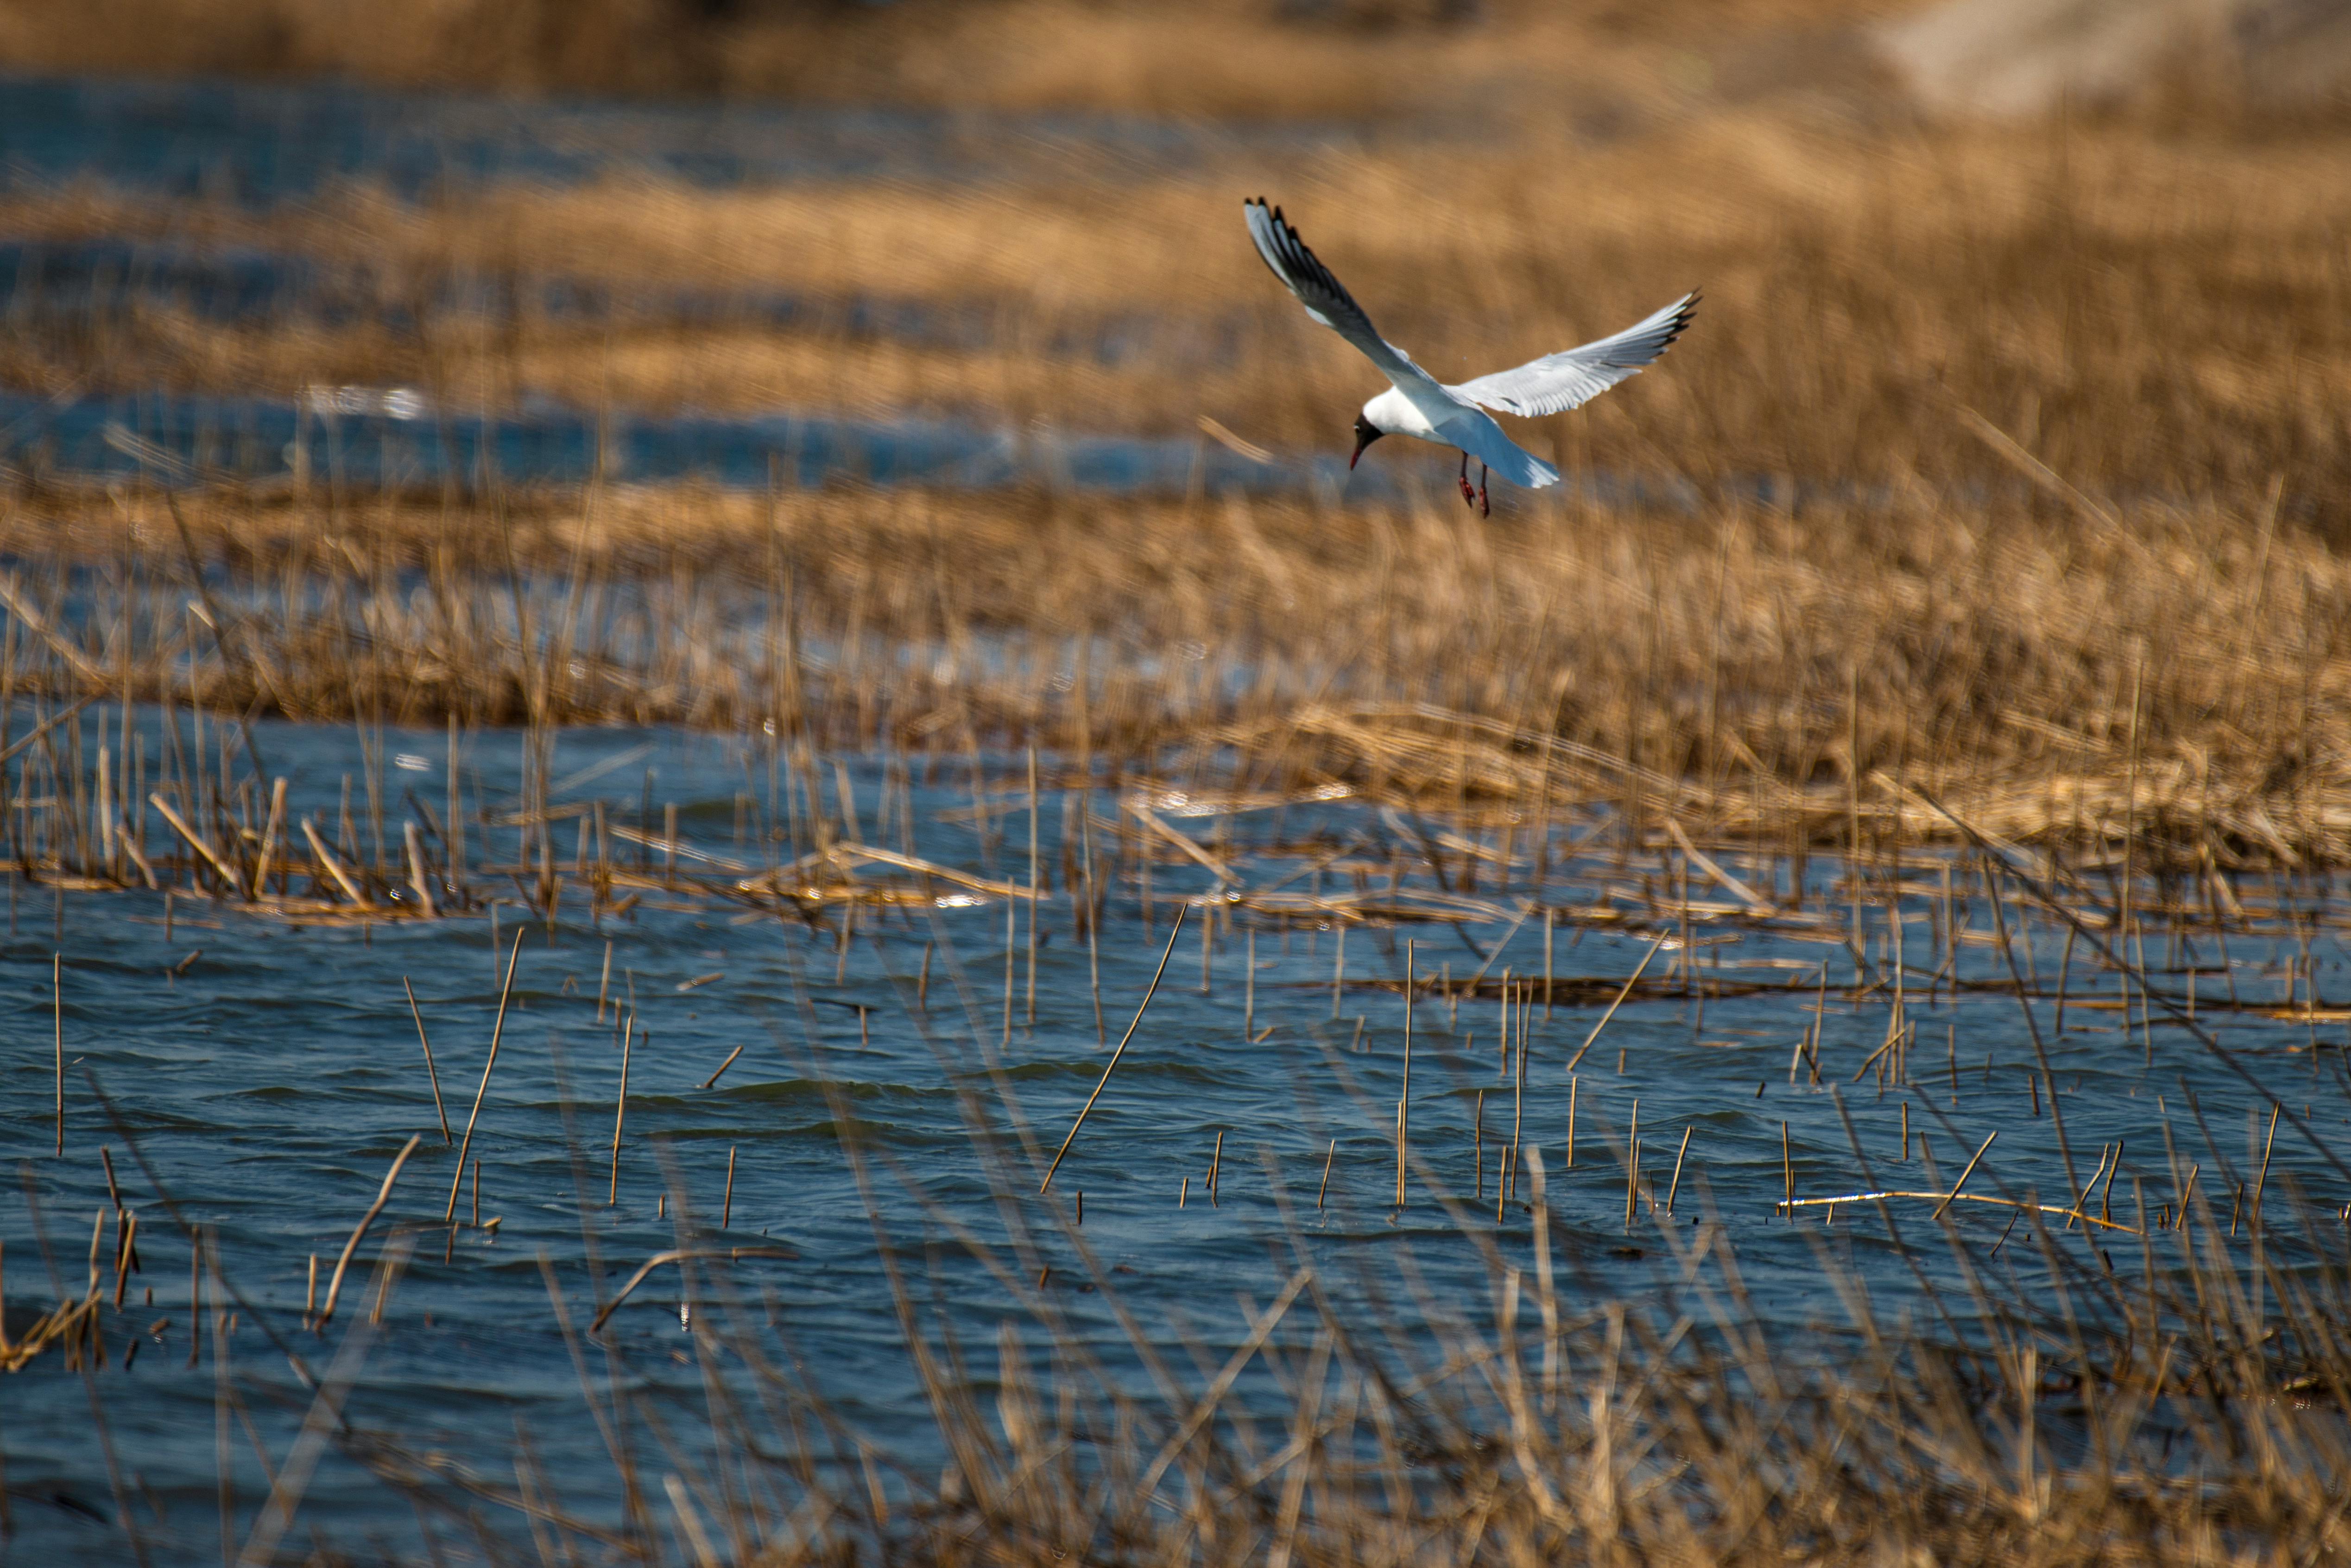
(1456, 416)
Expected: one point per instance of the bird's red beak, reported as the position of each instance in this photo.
(1361, 442)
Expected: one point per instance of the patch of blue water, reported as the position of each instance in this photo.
(268, 1071)
(376, 438)
(262, 143)
(81, 284)
(379, 438)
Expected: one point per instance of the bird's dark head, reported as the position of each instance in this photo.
(1365, 433)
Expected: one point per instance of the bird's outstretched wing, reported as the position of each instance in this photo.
(1327, 300)
(1560, 382)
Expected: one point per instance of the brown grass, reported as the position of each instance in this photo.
(1732, 661)
(1257, 59)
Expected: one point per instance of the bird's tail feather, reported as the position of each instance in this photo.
(1483, 439)
(1518, 466)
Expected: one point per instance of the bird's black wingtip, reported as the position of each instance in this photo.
(1683, 313)
(1268, 208)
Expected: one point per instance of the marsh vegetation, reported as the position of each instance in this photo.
(1785, 1005)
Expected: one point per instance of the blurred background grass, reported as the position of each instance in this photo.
(2146, 289)
(1246, 58)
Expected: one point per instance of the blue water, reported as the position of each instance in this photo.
(370, 438)
(264, 144)
(88, 284)
(267, 1069)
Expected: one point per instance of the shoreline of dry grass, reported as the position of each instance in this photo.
(2175, 677)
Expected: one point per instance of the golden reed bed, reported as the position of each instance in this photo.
(2072, 678)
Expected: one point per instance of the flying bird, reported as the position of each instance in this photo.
(1416, 404)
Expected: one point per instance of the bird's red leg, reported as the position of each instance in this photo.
(1468, 495)
(1483, 509)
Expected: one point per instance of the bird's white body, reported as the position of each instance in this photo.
(1416, 404)
(1464, 427)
